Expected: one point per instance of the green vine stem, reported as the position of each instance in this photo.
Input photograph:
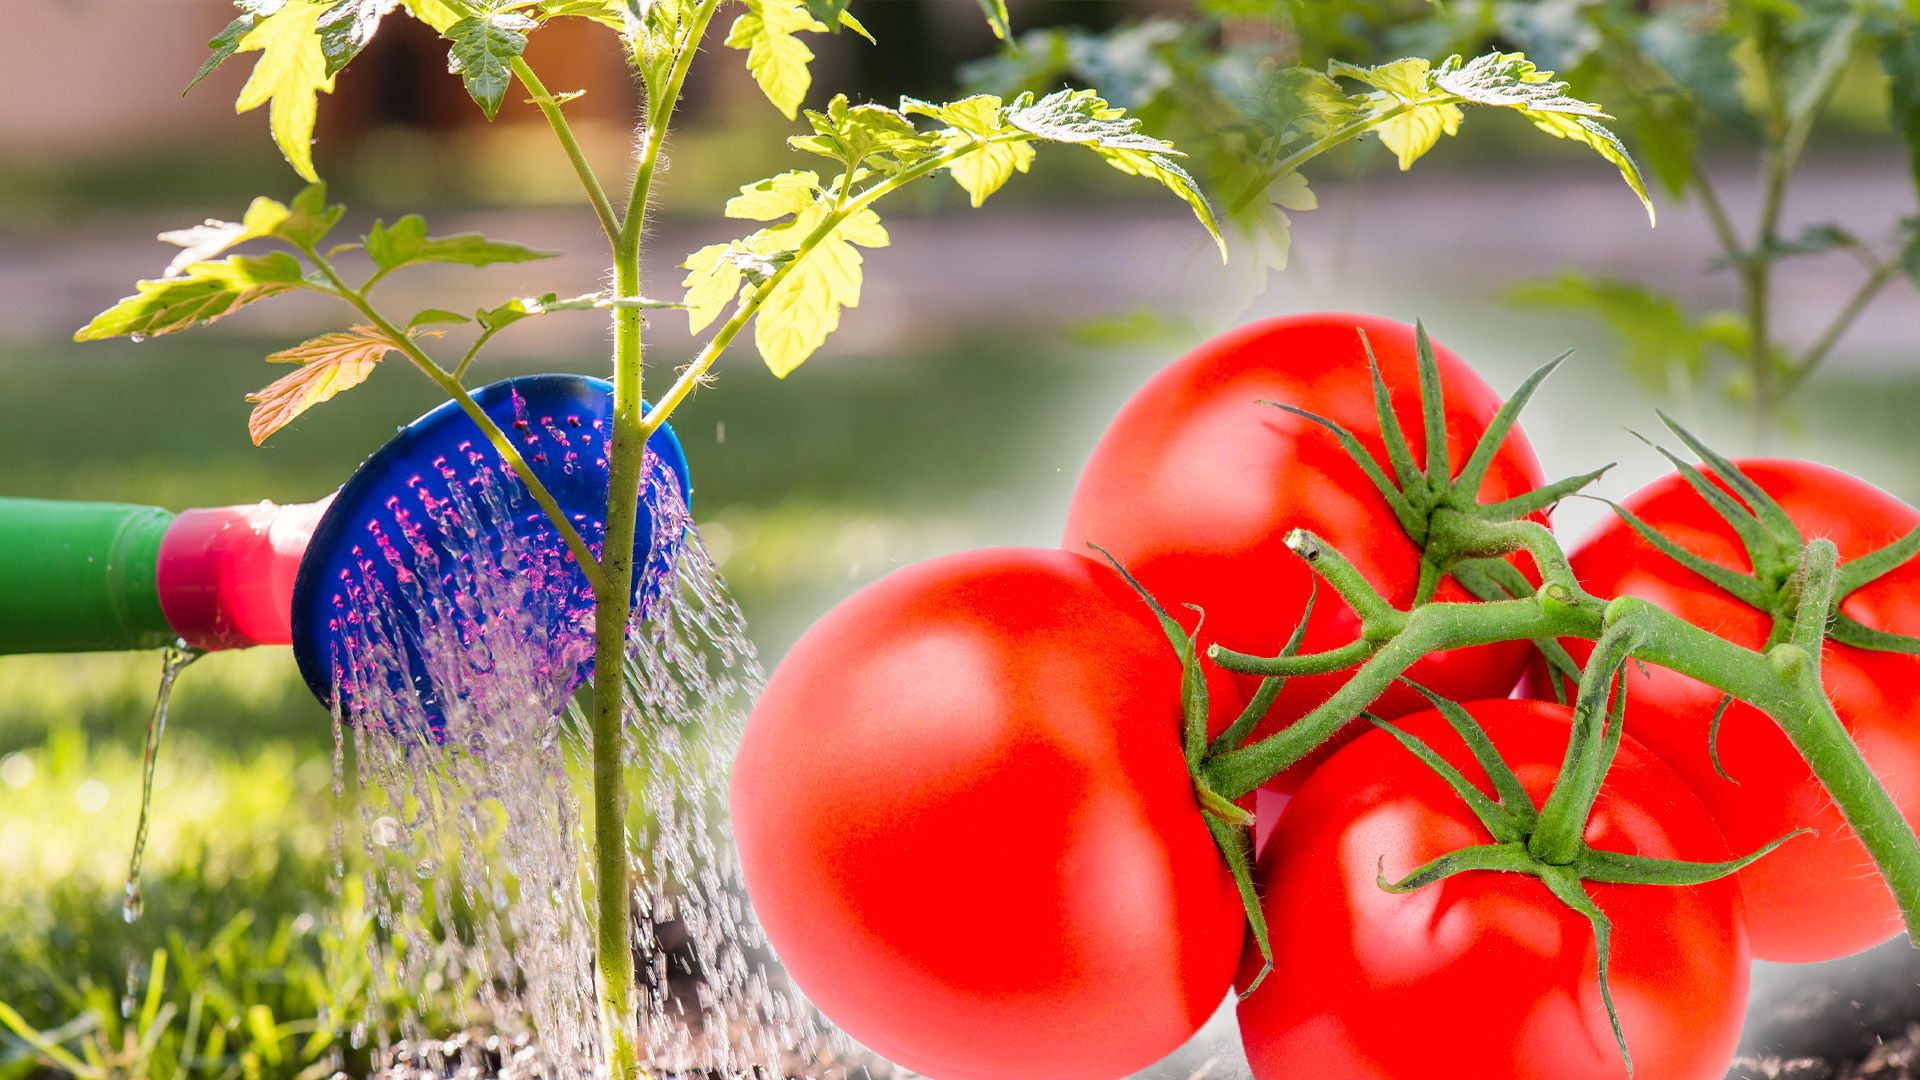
(1784, 682)
(613, 590)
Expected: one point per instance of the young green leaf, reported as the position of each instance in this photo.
(777, 59)
(347, 27)
(205, 292)
(223, 45)
(977, 119)
(290, 73)
(406, 243)
(309, 219)
(864, 136)
(483, 52)
(431, 316)
(1413, 113)
(796, 317)
(996, 13)
(329, 364)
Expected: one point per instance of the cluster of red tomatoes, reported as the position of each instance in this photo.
(971, 833)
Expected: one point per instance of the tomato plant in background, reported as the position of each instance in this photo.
(1487, 974)
(1810, 901)
(968, 829)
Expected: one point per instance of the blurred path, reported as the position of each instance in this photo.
(1400, 243)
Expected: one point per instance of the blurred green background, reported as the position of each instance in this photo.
(953, 410)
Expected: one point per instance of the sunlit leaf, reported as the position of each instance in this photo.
(1511, 80)
(712, 282)
(329, 364)
(777, 59)
(290, 73)
(205, 292)
(406, 242)
(1586, 130)
(1081, 116)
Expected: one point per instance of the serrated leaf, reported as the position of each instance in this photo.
(805, 307)
(1586, 130)
(1292, 192)
(796, 317)
(1173, 178)
(712, 282)
(863, 134)
(207, 291)
(1406, 85)
(482, 55)
(996, 13)
(983, 171)
(406, 243)
(775, 197)
(290, 73)
(204, 241)
(1082, 116)
(1510, 80)
(309, 219)
(223, 45)
(348, 26)
(777, 59)
(329, 364)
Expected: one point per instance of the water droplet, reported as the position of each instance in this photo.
(135, 904)
(386, 831)
(137, 338)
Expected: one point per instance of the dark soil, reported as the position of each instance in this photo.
(1851, 1019)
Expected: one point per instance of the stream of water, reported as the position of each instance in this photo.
(475, 857)
(174, 659)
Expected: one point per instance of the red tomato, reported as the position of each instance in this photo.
(1486, 975)
(968, 830)
(1196, 485)
(1816, 898)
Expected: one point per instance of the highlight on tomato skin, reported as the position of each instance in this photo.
(1197, 482)
(968, 830)
(1817, 897)
(1485, 975)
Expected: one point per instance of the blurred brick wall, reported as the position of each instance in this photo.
(78, 74)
